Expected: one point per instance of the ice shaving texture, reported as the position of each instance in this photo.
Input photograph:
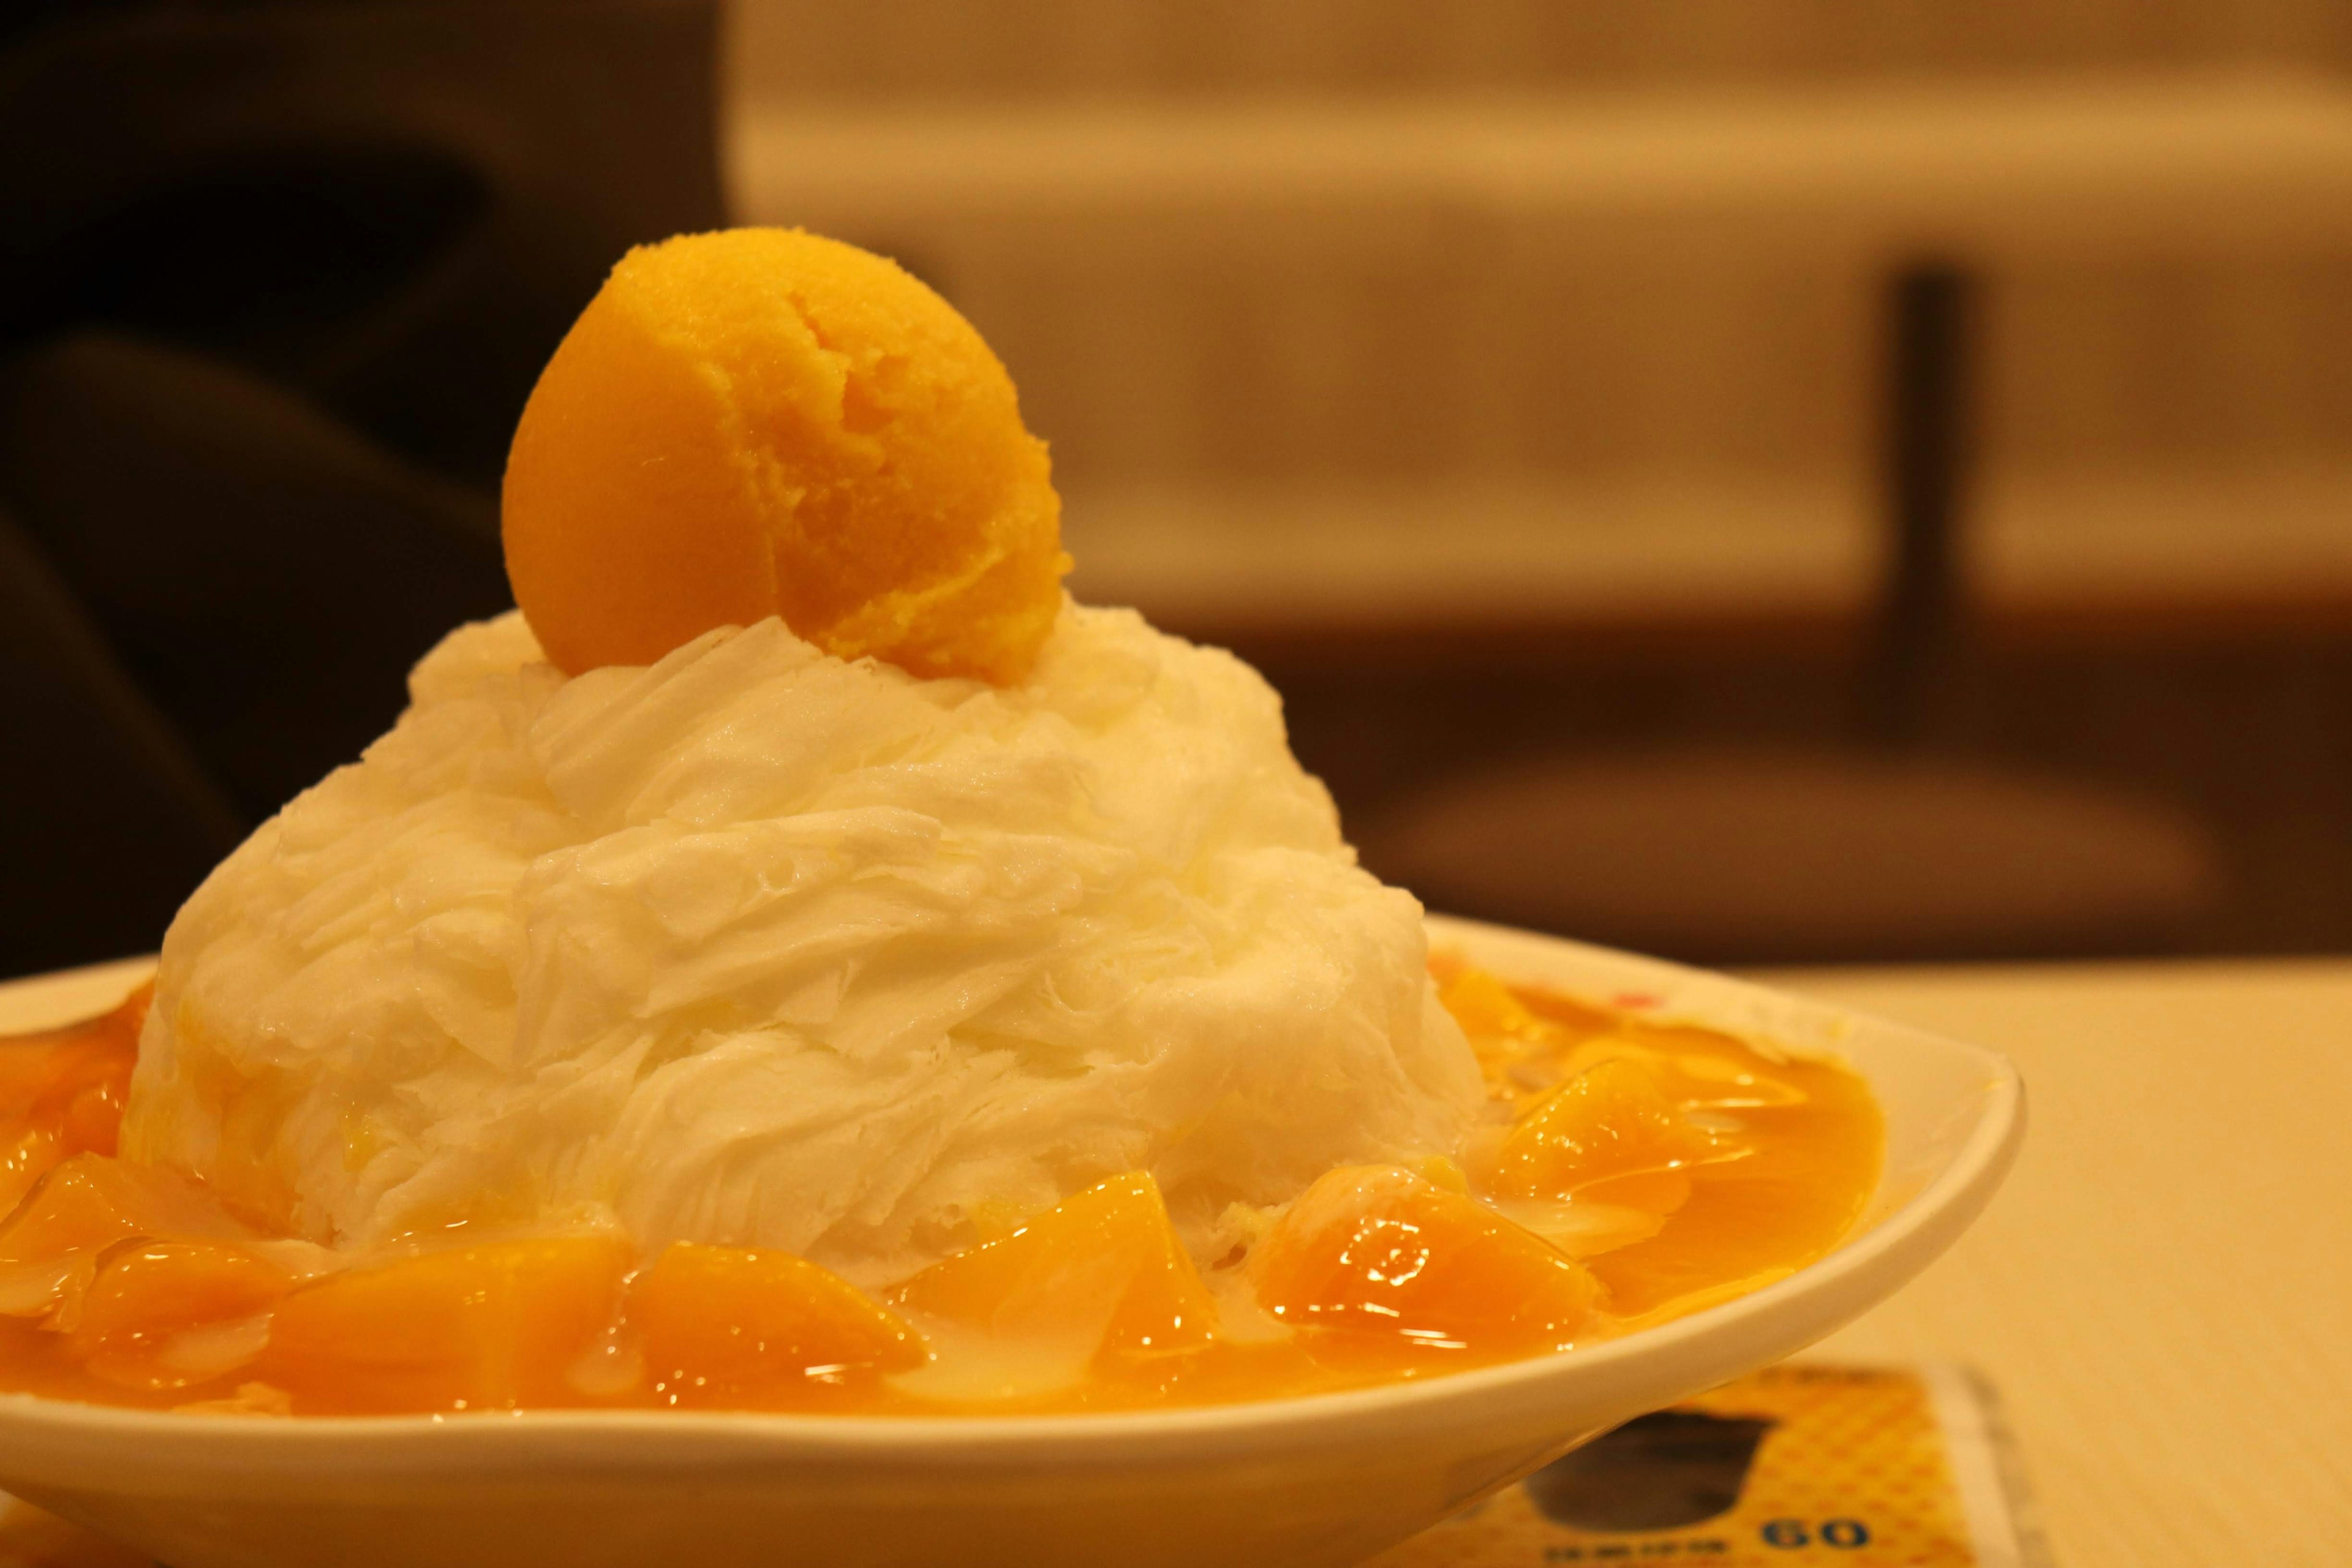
(759, 946)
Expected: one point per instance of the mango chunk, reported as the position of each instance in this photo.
(1102, 1271)
(91, 1201)
(1377, 1255)
(167, 1314)
(1608, 1123)
(61, 1094)
(760, 422)
(490, 1327)
(726, 1326)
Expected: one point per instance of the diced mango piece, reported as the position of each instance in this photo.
(1486, 1007)
(27, 1154)
(1609, 1121)
(1377, 1255)
(168, 1314)
(61, 1094)
(489, 1327)
(1103, 1268)
(90, 1118)
(1697, 1069)
(1651, 1191)
(762, 422)
(726, 1326)
(91, 1201)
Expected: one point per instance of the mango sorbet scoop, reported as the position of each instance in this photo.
(760, 422)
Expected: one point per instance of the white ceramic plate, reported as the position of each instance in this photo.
(1299, 1482)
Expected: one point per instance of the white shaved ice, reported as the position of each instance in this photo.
(757, 946)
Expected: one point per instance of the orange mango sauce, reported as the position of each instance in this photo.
(1631, 1172)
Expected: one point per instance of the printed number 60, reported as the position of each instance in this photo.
(1843, 1533)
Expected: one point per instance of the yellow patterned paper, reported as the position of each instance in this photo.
(1842, 1466)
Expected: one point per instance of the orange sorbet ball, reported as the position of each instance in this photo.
(762, 422)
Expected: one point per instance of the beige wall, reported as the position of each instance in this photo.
(1158, 354)
(991, 47)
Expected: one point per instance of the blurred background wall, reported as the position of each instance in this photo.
(2158, 409)
(935, 49)
(1795, 481)
(1512, 381)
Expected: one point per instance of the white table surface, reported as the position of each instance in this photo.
(2162, 1293)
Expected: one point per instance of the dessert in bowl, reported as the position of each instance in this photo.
(804, 1035)
(1327, 1478)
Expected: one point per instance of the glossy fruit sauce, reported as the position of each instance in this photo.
(1633, 1171)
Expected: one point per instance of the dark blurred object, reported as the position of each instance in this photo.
(263, 574)
(1896, 845)
(216, 592)
(110, 818)
(1660, 1471)
(275, 281)
(1756, 857)
(1927, 442)
(394, 209)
